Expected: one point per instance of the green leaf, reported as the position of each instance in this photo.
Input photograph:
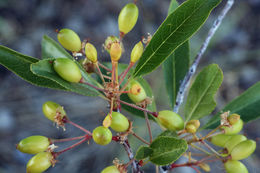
(20, 65)
(177, 28)
(149, 93)
(200, 100)
(168, 133)
(52, 49)
(143, 152)
(167, 150)
(246, 105)
(44, 69)
(176, 65)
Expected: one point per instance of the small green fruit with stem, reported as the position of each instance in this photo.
(119, 122)
(110, 169)
(33, 144)
(243, 150)
(39, 163)
(170, 120)
(234, 129)
(127, 18)
(137, 93)
(233, 141)
(67, 69)
(234, 166)
(220, 140)
(69, 40)
(51, 110)
(109, 41)
(91, 52)
(102, 135)
(190, 128)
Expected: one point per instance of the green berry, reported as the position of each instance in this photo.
(127, 18)
(137, 52)
(137, 93)
(110, 169)
(69, 40)
(67, 69)
(115, 51)
(233, 119)
(233, 141)
(33, 144)
(234, 129)
(39, 163)
(170, 120)
(220, 140)
(109, 41)
(243, 150)
(50, 110)
(234, 166)
(196, 123)
(119, 122)
(102, 135)
(91, 52)
(190, 128)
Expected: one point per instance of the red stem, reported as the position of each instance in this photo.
(79, 127)
(155, 114)
(93, 86)
(104, 67)
(125, 72)
(66, 139)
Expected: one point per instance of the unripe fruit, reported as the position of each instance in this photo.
(233, 166)
(110, 169)
(67, 69)
(69, 40)
(170, 120)
(102, 135)
(115, 51)
(109, 41)
(196, 123)
(50, 110)
(233, 141)
(220, 140)
(190, 128)
(233, 119)
(137, 93)
(39, 163)
(33, 144)
(234, 129)
(119, 122)
(243, 150)
(127, 18)
(91, 52)
(137, 52)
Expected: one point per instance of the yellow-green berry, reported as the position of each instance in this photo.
(51, 110)
(137, 52)
(190, 128)
(137, 93)
(234, 166)
(119, 122)
(243, 150)
(33, 144)
(109, 41)
(110, 169)
(234, 129)
(233, 141)
(115, 51)
(67, 69)
(170, 120)
(102, 135)
(233, 119)
(128, 18)
(39, 163)
(220, 140)
(69, 40)
(91, 52)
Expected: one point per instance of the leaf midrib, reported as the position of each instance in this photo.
(168, 37)
(203, 95)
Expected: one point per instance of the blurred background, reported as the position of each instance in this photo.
(235, 47)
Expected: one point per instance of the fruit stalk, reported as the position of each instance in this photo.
(148, 126)
(79, 127)
(122, 75)
(185, 83)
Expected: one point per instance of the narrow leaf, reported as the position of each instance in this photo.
(44, 69)
(246, 105)
(200, 100)
(143, 152)
(167, 150)
(20, 65)
(168, 133)
(178, 27)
